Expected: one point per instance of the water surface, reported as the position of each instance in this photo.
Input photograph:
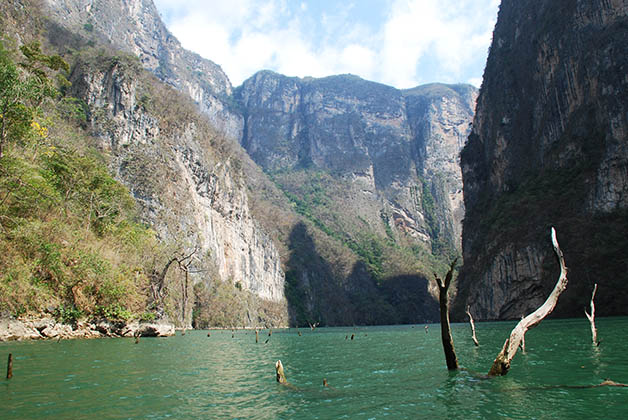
(391, 372)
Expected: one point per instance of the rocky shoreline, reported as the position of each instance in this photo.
(48, 328)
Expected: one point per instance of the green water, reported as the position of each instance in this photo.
(385, 372)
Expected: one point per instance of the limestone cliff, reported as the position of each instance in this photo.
(134, 26)
(394, 152)
(186, 177)
(549, 147)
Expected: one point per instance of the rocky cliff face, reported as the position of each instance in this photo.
(134, 26)
(548, 147)
(375, 171)
(186, 177)
(389, 148)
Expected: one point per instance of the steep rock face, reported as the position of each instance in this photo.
(439, 117)
(186, 177)
(391, 148)
(548, 147)
(134, 26)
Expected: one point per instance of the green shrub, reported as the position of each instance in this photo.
(147, 316)
(113, 312)
(68, 315)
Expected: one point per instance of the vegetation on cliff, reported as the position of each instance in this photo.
(70, 242)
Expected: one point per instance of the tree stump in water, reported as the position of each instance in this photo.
(473, 337)
(281, 376)
(10, 366)
(591, 317)
(448, 341)
(501, 365)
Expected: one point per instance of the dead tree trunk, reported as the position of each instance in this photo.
(10, 366)
(281, 376)
(158, 280)
(445, 329)
(591, 317)
(475, 339)
(501, 365)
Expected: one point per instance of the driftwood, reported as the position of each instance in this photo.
(501, 365)
(10, 366)
(445, 329)
(591, 317)
(281, 376)
(475, 339)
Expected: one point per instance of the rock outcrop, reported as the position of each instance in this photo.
(48, 328)
(548, 147)
(134, 26)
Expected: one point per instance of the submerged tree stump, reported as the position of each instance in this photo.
(473, 337)
(501, 365)
(281, 376)
(10, 366)
(591, 317)
(445, 329)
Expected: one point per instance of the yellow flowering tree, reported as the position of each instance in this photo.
(23, 88)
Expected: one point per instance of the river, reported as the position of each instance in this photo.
(391, 372)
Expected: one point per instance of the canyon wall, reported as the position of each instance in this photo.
(548, 148)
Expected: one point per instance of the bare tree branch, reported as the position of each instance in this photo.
(475, 339)
(591, 317)
(501, 365)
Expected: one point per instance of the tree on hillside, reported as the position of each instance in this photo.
(23, 89)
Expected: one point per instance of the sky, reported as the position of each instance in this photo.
(401, 43)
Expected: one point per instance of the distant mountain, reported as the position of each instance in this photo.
(373, 167)
(549, 148)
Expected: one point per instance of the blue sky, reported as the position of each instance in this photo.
(402, 43)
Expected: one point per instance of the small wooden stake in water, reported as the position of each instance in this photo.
(10, 366)
(256, 337)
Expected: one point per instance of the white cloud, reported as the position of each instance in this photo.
(475, 81)
(419, 41)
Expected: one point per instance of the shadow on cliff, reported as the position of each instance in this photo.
(317, 293)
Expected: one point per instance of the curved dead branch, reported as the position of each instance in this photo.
(501, 365)
(473, 337)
